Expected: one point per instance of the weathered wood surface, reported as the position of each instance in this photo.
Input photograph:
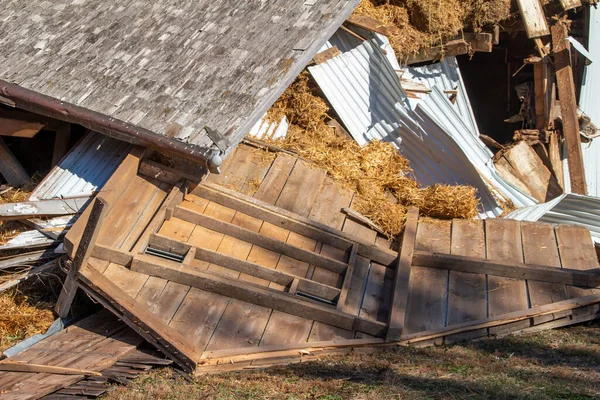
(215, 64)
(534, 18)
(561, 49)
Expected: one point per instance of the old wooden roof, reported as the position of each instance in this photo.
(158, 72)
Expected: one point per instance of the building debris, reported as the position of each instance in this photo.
(429, 177)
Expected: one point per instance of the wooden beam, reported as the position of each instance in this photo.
(61, 142)
(293, 222)
(308, 286)
(138, 317)
(260, 240)
(464, 44)
(84, 252)
(399, 302)
(165, 173)
(589, 279)
(503, 319)
(540, 78)
(341, 304)
(326, 55)
(10, 168)
(112, 254)
(355, 215)
(568, 106)
(555, 160)
(19, 128)
(44, 369)
(373, 25)
(251, 293)
(52, 207)
(534, 18)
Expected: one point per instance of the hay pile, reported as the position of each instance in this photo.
(10, 229)
(427, 23)
(377, 172)
(21, 317)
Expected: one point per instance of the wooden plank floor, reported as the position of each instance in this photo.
(94, 343)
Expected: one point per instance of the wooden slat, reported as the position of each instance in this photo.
(293, 222)
(467, 297)
(505, 295)
(140, 319)
(249, 268)
(399, 304)
(540, 247)
(341, 305)
(259, 240)
(534, 18)
(52, 207)
(303, 179)
(426, 308)
(46, 369)
(577, 252)
(112, 254)
(507, 269)
(568, 106)
(569, 4)
(84, 252)
(247, 292)
(275, 180)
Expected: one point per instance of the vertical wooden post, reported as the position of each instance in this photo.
(61, 142)
(568, 106)
(84, 251)
(399, 303)
(540, 74)
(10, 168)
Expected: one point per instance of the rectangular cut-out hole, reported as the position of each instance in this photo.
(315, 298)
(167, 255)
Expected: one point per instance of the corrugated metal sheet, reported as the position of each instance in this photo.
(589, 103)
(265, 129)
(565, 209)
(85, 169)
(365, 91)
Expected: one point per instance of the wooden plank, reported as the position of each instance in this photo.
(428, 287)
(84, 252)
(10, 168)
(128, 281)
(19, 127)
(259, 240)
(273, 275)
(554, 155)
(355, 215)
(112, 254)
(134, 314)
(561, 49)
(285, 328)
(467, 297)
(577, 252)
(303, 179)
(373, 25)
(295, 223)
(467, 42)
(166, 174)
(501, 268)
(505, 295)
(52, 207)
(398, 308)
(506, 319)
(45, 369)
(532, 172)
(540, 247)
(246, 292)
(341, 304)
(534, 18)
(275, 180)
(326, 55)
(541, 88)
(112, 190)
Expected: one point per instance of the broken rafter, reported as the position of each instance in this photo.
(10, 168)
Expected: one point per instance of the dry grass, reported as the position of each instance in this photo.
(427, 23)
(22, 314)
(559, 364)
(10, 229)
(377, 172)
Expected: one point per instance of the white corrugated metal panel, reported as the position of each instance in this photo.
(265, 129)
(85, 169)
(365, 91)
(589, 103)
(566, 209)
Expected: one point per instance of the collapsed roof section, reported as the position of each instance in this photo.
(159, 73)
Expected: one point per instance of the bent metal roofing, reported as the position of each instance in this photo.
(157, 73)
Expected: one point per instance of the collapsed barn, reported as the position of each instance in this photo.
(232, 187)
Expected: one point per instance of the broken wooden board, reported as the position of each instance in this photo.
(467, 43)
(534, 18)
(42, 208)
